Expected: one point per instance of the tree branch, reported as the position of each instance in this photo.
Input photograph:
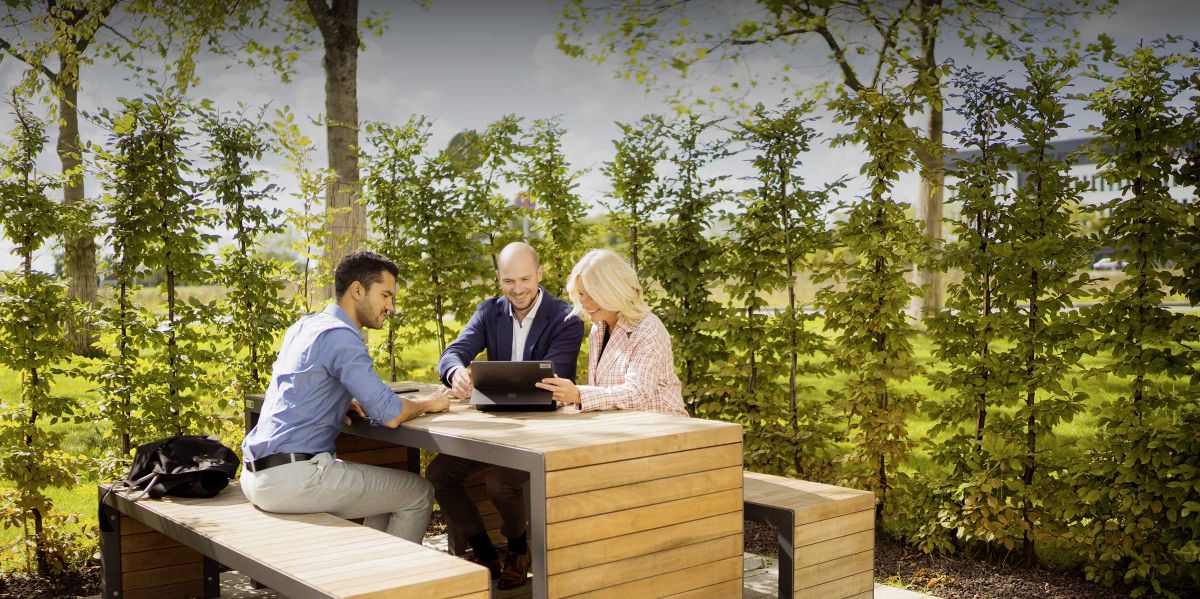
(16, 53)
(323, 15)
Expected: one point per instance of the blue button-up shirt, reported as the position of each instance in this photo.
(322, 364)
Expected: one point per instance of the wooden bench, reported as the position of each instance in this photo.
(169, 548)
(826, 535)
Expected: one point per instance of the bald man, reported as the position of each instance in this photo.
(523, 323)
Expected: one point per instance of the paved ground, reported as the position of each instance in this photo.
(761, 582)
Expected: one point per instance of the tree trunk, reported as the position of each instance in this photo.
(932, 195)
(932, 180)
(339, 31)
(79, 260)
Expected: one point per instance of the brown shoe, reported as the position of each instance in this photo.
(494, 568)
(515, 571)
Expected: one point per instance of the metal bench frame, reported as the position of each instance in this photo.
(784, 521)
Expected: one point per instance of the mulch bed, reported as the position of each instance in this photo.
(68, 584)
(956, 577)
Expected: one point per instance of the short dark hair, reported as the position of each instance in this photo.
(365, 267)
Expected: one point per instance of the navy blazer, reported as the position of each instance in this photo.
(554, 335)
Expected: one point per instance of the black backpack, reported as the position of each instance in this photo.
(184, 466)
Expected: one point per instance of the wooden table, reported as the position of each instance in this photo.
(623, 504)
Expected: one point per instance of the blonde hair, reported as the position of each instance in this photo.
(610, 282)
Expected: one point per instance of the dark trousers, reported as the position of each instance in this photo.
(505, 487)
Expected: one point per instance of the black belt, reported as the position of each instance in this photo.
(278, 459)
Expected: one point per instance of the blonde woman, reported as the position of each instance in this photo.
(630, 365)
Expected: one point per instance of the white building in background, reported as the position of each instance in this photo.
(1098, 191)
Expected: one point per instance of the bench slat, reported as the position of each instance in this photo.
(612, 499)
(641, 543)
(625, 472)
(644, 566)
(614, 524)
(233, 532)
(673, 583)
(835, 569)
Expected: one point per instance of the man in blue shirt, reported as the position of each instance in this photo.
(524, 323)
(323, 366)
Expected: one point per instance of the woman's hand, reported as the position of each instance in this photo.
(565, 392)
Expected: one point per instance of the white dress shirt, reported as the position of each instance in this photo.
(521, 328)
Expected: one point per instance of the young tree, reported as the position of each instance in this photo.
(875, 249)
(129, 233)
(289, 30)
(1139, 486)
(158, 225)
(558, 218)
(34, 312)
(888, 47)
(391, 172)
(776, 231)
(1042, 270)
(684, 261)
(635, 185)
(312, 273)
(969, 336)
(416, 194)
(58, 39)
(70, 30)
(253, 311)
(481, 161)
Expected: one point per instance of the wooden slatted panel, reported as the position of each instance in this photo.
(832, 528)
(624, 472)
(674, 582)
(630, 545)
(643, 566)
(183, 573)
(614, 524)
(842, 567)
(278, 547)
(819, 553)
(159, 558)
(155, 565)
(655, 524)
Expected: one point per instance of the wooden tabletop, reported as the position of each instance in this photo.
(569, 438)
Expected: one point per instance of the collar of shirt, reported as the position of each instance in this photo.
(622, 325)
(336, 311)
(524, 323)
(521, 327)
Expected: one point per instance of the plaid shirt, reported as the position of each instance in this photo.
(636, 372)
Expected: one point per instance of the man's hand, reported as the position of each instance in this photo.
(462, 383)
(438, 401)
(565, 392)
(355, 409)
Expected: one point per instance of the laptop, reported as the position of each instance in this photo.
(509, 386)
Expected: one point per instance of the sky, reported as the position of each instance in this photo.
(466, 63)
